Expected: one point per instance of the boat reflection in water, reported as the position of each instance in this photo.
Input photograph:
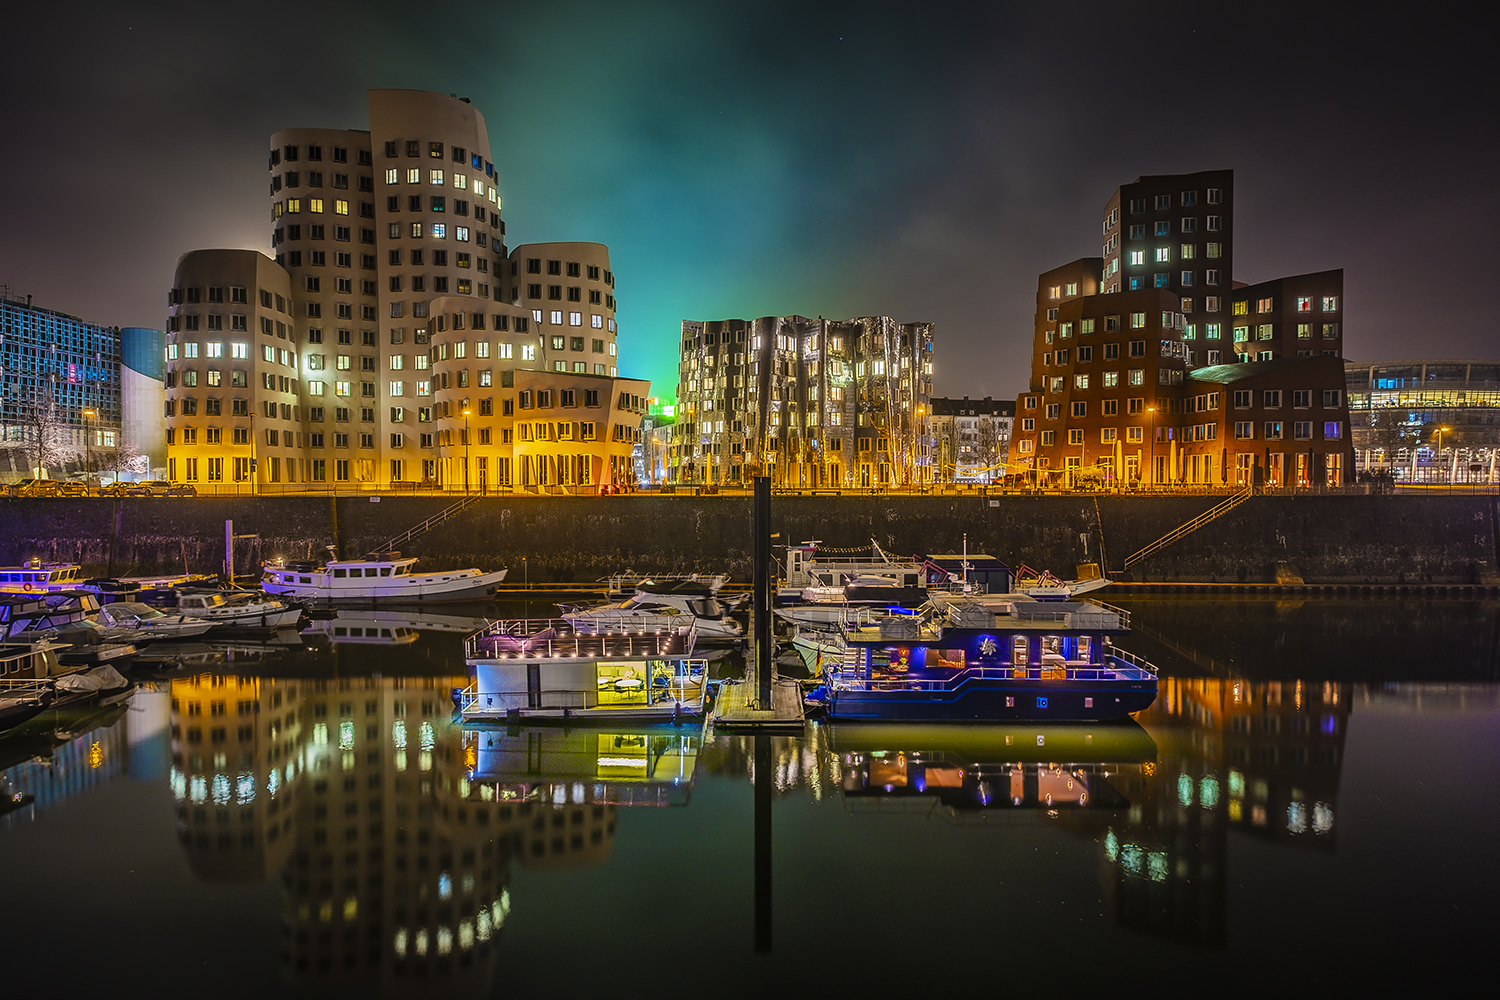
(967, 768)
(388, 628)
(644, 766)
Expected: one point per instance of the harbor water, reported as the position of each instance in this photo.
(1309, 805)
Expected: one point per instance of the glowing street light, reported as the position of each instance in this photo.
(1440, 431)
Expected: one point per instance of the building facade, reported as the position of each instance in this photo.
(59, 393)
(397, 324)
(1292, 317)
(1399, 407)
(806, 402)
(1139, 375)
(143, 428)
(971, 439)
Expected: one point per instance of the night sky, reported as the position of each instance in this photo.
(922, 160)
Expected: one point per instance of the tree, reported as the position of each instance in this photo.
(1390, 431)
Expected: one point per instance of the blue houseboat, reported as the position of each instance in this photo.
(968, 662)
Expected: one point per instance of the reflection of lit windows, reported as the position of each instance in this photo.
(1296, 818)
(1322, 818)
(1208, 792)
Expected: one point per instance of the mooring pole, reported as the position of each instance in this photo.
(763, 591)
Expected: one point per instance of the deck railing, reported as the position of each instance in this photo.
(1129, 667)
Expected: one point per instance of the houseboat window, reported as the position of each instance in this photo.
(1085, 648)
(401, 570)
(1051, 644)
(371, 571)
(339, 574)
(1021, 654)
(950, 659)
(621, 683)
(304, 579)
(385, 571)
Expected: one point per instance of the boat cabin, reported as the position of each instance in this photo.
(621, 766)
(35, 576)
(641, 668)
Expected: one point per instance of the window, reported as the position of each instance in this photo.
(1273, 430)
(1332, 398)
(1107, 435)
(1265, 331)
(1080, 408)
(1301, 399)
(1111, 352)
(1330, 331)
(1137, 376)
(1163, 228)
(1049, 438)
(1137, 258)
(1135, 435)
(1330, 303)
(1244, 430)
(1080, 381)
(1054, 410)
(1137, 321)
(1075, 436)
(1213, 223)
(1304, 331)
(1332, 430)
(1302, 430)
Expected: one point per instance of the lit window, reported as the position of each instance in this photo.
(597, 321)
(504, 350)
(439, 230)
(1163, 254)
(575, 319)
(239, 350)
(437, 177)
(1137, 320)
(1137, 376)
(398, 388)
(461, 233)
(1137, 257)
(215, 349)
(1111, 379)
(341, 388)
(1330, 303)
(315, 205)
(461, 181)
(1080, 381)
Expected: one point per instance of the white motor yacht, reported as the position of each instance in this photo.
(698, 605)
(151, 622)
(380, 576)
(232, 610)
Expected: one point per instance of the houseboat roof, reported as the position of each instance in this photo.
(1028, 616)
(559, 639)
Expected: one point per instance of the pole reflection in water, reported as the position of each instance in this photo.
(763, 782)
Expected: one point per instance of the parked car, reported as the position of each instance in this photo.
(35, 488)
(162, 488)
(125, 490)
(70, 488)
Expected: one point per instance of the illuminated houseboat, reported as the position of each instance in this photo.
(639, 765)
(966, 662)
(554, 670)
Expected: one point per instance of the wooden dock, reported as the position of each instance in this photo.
(735, 708)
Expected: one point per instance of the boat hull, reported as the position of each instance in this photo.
(416, 589)
(997, 700)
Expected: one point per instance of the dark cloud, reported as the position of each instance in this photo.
(921, 160)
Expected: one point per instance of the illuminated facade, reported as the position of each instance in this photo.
(401, 308)
(807, 402)
(970, 439)
(1397, 408)
(1134, 377)
(53, 368)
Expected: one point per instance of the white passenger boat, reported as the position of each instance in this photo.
(812, 576)
(381, 576)
(238, 610)
(550, 670)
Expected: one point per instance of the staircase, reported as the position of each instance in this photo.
(432, 522)
(1183, 530)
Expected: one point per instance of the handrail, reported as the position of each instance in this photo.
(1027, 673)
(1186, 529)
(431, 522)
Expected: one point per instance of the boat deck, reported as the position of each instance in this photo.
(643, 639)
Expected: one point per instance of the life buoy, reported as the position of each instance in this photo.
(28, 587)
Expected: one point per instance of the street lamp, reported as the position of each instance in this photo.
(466, 452)
(1152, 410)
(1440, 431)
(88, 455)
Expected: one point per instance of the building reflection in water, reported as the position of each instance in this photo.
(391, 828)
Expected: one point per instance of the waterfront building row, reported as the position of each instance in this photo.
(807, 402)
(970, 438)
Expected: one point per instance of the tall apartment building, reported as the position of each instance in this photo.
(1173, 232)
(400, 324)
(807, 402)
(1133, 373)
(59, 392)
(1292, 317)
(971, 439)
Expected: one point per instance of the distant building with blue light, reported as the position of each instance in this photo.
(59, 393)
(1396, 409)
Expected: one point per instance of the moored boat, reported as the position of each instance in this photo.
(552, 670)
(682, 600)
(966, 662)
(238, 609)
(37, 577)
(379, 577)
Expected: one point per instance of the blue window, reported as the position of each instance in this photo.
(477, 161)
(1163, 280)
(1137, 283)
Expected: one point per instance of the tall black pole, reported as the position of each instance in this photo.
(764, 778)
(763, 591)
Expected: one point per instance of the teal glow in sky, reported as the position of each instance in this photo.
(924, 161)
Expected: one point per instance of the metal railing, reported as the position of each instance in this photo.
(430, 523)
(1186, 529)
(566, 632)
(1133, 668)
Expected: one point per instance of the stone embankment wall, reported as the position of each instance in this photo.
(1327, 539)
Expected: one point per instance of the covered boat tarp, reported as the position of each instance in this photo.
(102, 678)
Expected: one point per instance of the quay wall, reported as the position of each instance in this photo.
(1324, 539)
